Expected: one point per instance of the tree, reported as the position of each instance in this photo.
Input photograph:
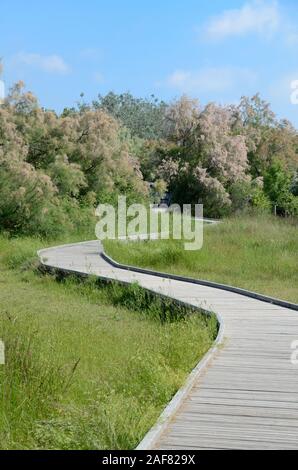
(294, 184)
(267, 139)
(67, 177)
(52, 167)
(205, 155)
(143, 117)
(277, 185)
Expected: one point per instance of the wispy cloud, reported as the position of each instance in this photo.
(258, 16)
(92, 53)
(291, 36)
(209, 79)
(48, 63)
(98, 77)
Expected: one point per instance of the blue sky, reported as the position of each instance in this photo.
(214, 51)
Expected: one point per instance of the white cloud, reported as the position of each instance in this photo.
(51, 63)
(258, 16)
(210, 79)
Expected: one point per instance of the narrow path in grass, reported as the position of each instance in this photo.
(258, 253)
(245, 394)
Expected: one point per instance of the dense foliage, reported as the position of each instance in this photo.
(143, 117)
(229, 157)
(54, 169)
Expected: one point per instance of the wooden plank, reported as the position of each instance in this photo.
(246, 398)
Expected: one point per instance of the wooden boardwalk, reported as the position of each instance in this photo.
(246, 396)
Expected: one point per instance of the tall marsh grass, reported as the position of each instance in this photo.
(259, 253)
(88, 366)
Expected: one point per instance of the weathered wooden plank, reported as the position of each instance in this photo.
(247, 396)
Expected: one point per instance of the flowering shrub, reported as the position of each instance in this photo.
(52, 166)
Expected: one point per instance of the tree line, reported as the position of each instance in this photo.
(55, 168)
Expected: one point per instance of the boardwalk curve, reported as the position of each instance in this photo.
(243, 394)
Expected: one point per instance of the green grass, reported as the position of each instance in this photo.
(87, 366)
(259, 253)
